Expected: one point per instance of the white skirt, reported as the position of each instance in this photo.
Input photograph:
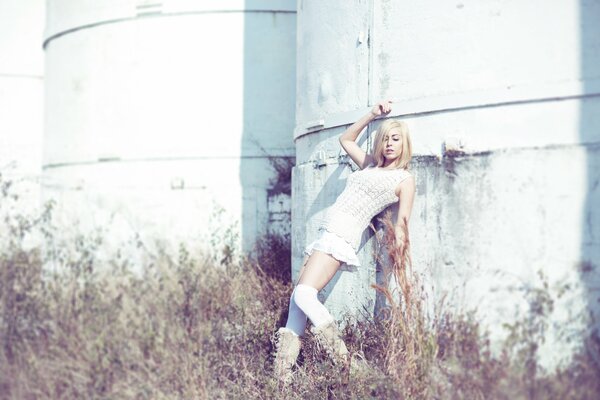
(337, 247)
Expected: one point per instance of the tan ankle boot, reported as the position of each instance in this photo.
(287, 348)
(329, 337)
(359, 367)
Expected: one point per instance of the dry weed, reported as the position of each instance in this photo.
(188, 328)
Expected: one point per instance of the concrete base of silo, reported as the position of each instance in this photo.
(506, 234)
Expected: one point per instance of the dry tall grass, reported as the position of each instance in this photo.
(411, 347)
(189, 329)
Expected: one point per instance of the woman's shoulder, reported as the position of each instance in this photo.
(403, 174)
(407, 173)
(403, 171)
(404, 180)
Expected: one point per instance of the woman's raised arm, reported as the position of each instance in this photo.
(348, 138)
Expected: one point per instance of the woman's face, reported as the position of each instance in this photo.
(392, 144)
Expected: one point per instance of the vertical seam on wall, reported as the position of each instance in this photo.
(370, 64)
(370, 52)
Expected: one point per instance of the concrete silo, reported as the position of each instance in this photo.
(504, 113)
(21, 95)
(169, 113)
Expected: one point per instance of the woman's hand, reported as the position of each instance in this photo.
(382, 108)
(401, 235)
(400, 238)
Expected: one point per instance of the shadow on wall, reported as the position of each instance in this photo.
(267, 146)
(589, 134)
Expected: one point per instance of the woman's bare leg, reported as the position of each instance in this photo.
(318, 270)
(302, 269)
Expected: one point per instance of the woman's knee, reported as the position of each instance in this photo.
(304, 295)
(319, 270)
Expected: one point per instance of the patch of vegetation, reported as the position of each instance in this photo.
(193, 327)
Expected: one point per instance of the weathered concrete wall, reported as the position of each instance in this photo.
(491, 229)
(21, 95)
(162, 113)
(490, 79)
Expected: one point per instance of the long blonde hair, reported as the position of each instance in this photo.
(404, 160)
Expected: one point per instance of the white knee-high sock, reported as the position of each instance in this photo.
(306, 299)
(296, 320)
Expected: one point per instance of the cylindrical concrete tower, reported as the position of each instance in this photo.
(170, 114)
(21, 95)
(504, 112)
(333, 91)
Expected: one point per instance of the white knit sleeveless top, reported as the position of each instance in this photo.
(368, 192)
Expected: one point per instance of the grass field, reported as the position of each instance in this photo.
(190, 328)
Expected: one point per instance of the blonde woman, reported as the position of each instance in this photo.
(383, 179)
